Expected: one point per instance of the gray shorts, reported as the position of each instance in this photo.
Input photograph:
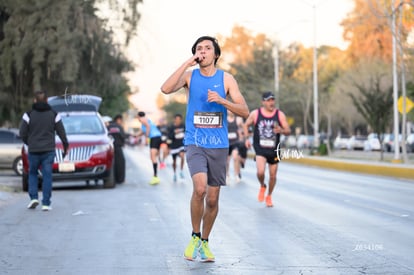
(210, 161)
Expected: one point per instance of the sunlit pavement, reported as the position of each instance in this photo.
(323, 222)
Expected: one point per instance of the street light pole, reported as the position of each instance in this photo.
(276, 63)
(395, 85)
(315, 83)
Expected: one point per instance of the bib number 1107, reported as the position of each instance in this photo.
(207, 120)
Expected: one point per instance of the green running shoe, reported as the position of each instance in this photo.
(154, 180)
(205, 253)
(191, 251)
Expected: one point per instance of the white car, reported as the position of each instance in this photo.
(356, 143)
(372, 143)
(304, 142)
(341, 142)
(410, 143)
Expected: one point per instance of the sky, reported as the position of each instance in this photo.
(168, 29)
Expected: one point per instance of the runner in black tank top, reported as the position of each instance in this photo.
(265, 140)
(269, 123)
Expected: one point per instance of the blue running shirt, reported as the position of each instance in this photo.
(206, 122)
(154, 131)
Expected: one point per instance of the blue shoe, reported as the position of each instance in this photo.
(175, 178)
(181, 174)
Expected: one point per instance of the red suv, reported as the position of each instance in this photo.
(90, 155)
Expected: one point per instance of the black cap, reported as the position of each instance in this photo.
(267, 96)
(141, 114)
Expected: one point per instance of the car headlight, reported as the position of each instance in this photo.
(101, 148)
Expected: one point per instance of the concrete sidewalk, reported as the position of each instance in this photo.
(358, 166)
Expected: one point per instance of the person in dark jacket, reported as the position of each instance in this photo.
(117, 132)
(38, 128)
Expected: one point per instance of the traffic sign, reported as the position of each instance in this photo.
(408, 104)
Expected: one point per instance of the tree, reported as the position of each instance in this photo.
(175, 107)
(367, 29)
(59, 45)
(249, 58)
(374, 99)
(256, 76)
(254, 68)
(175, 104)
(239, 47)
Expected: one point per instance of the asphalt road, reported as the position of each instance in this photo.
(323, 222)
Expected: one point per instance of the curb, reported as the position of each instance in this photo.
(390, 170)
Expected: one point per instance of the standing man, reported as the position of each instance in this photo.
(116, 130)
(268, 123)
(176, 136)
(153, 137)
(206, 139)
(38, 128)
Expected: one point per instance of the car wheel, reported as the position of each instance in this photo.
(18, 166)
(25, 182)
(109, 181)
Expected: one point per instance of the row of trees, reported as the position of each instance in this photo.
(60, 45)
(355, 85)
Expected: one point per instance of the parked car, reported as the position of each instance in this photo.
(372, 143)
(304, 141)
(11, 150)
(290, 141)
(356, 142)
(410, 143)
(90, 155)
(341, 142)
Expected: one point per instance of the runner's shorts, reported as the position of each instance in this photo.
(155, 143)
(210, 161)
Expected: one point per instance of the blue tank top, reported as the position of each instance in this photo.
(206, 122)
(154, 131)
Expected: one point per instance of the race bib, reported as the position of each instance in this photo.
(179, 135)
(208, 120)
(232, 135)
(267, 143)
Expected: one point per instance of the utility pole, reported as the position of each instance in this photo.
(276, 63)
(315, 83)
(395, 86)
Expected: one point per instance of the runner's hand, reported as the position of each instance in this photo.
(247, 144)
